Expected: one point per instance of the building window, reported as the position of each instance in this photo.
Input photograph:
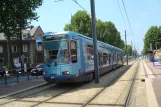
(24, 36)
(1, 49)
(14, 48)
(25, 48)
(39, 46)
(90, 53)
(1, 61)
(73, 49)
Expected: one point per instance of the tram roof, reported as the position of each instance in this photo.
(80, 35)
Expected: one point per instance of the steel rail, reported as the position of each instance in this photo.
(131, 87)
(40, 87)
(87, 102)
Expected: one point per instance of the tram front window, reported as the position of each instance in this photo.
(57, 51)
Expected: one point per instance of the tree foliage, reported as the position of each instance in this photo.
(152, 36)
(16, 15)
(106, 31)
(80, 22)
(129, 50)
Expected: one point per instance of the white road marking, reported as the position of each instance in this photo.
(152, 101)
(149, 72)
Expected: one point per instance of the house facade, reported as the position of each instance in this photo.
(32, 50)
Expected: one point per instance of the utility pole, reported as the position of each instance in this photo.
(135, 52)
(21, 46)
(156, 45)
(71, 23)
(126, 48)
(151, 46)
(94, 41)
(132, 49)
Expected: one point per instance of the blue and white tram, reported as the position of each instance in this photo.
(69, 57)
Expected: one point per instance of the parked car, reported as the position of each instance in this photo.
(37, 70)
(2, 71)
(17, 68)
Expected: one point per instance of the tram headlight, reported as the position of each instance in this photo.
(44, 73)
(65, 73)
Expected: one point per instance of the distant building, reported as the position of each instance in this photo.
(31, 44)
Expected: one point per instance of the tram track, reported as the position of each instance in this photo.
(131, 87)
(58, 92)
(51, 87)
(128, 96)
(23, 93)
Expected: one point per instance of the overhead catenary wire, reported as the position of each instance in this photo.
(127, 16)
(128, 19)
(122, 18)
(58, 0)
(80, 6)
(121, 14)
(75, 1)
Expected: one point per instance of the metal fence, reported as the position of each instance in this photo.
(17, 75)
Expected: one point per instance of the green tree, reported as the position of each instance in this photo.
(68, 27)
(122, 44)
(129, 50)
(81, 23)
(106, 31)
(111, 34)
(153, 36)
(15, 15)
(118, 41)
(100, 26)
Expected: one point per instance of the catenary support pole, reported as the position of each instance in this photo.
(94, 41)
(132, 49)
(126, 48)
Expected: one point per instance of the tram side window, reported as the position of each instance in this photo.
(109, 58)
(90, 52)
(73, 51)
(105, 58)
(113, 57)
(117, 57)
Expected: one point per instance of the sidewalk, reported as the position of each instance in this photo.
(155, 77)
(15, 87)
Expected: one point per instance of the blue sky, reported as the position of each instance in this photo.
(142, 14)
